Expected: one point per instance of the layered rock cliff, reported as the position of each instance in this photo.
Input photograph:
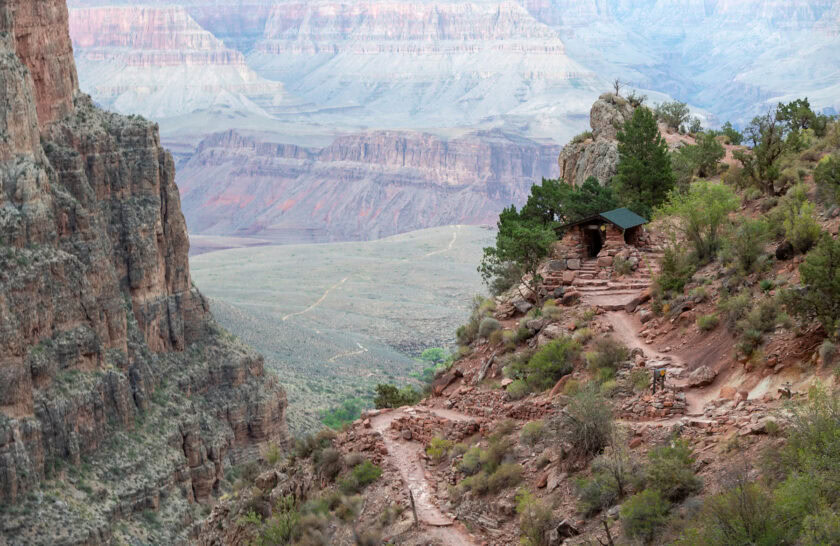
(158, 62)
(119, 394)
(362, 186)
(596, 153)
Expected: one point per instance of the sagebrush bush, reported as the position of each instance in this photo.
(438, 449)
(640, 379)
(622, 266)
(670, 471)
(608, 388)
(535, 519)
(471, 461)
(644, 514)
(360, 477)
(487, 326)
(329, 463)
(607, 352)
(517, 390)
(532, 433)
(596, 493)
(828, 351)
(505, 476)
(707, 323)
(588, 422)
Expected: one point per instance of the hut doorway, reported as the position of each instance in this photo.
(592, 240)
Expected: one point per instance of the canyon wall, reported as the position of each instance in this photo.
(362, 186)
(119, 395)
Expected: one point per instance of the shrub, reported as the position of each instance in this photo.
(518, 390)
(497, 337)
(353, 459)
(582, 137)
(746, 243)
(673, 114)
(471, 461)
(643, 514)
(535, 519)
(828, 351)
(676, 270)
(438, 448)
(766, 285)
(272, 454)
(622, 266)
(389, 396)
(820, 298)
(735, 308)
(640, 379)
(797, 213)
(607, 353)
(609, 387)
(551, 362)
(360, 477)
(596, 493)
(532, 433)
(498, 447)
(827, 177)
(670, 471)
(572, 387)
(551, 311)
(588, 422)
(699, 216)
(328, 463)
(283, 526)
(506, 475)
(487, 326)
(707, 323)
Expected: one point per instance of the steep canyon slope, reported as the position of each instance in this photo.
(119, 395)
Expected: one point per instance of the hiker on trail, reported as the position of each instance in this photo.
(658, 376)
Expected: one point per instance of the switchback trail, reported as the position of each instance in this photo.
(319, 302)
(625, 329)
(406, 456)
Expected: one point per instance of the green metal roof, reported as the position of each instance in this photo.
(623, 218)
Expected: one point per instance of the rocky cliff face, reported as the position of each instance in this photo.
(157, 61)
(596, 155)
(362, 186)
(118, 393)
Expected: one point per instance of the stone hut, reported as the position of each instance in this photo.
(588, 238)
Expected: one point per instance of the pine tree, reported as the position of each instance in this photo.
(644, 169)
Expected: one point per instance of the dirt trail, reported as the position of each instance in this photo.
(626, 326)
(405, 455)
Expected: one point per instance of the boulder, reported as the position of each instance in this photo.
(637, 301)
(727, 393)
(535, 324)
(605, 261)
(266, 481)
(558, 292)
(701, 377)
(645, 316)
(406, 434)
(573, 263)
(569, 277)
(555, 478)
(570, 298)
(557, 265)
(522, 306)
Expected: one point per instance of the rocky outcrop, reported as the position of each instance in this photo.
(362, 186)
(110, 363)
(596, 154)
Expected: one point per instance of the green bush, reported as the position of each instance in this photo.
(797, 214)
(272, 454)
(582, 137)
(487, 326)
(827, 177)
(820, 298)
(360, 477)
(518, 390)
(735, 308)
(622, 266)
(550, 363)
(643, 514)
(438, 448)
(670, 471)
(745, 243)
(596, 493)
(707, 323)
(497, 449)
(389, 396)
(607, 353)
(505, 476)
(535, 519)
(471, 461)
(608, 387)
(532, 433)
(588, 422)
(675, 272)
(640, 379)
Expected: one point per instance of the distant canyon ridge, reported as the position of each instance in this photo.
(327, 120)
